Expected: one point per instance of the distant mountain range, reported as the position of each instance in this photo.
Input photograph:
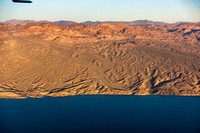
(126, 22)
(64, 22)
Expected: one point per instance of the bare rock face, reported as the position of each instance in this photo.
(54, 60)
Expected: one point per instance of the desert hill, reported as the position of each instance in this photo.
(47, 59)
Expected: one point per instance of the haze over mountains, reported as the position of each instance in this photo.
(64, 22)
(47, 59)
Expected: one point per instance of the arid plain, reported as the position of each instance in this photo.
(42, 59)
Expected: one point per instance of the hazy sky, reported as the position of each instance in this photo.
(102, 10)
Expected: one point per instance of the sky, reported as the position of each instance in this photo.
(102, 10)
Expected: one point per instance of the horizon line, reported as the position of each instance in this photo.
(103, 21)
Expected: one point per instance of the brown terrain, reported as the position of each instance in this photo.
(41, 59)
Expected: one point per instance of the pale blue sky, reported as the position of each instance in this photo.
(102, 10)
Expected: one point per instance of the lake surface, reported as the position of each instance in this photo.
(119, 114)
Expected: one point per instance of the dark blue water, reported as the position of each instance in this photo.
(123, 114)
